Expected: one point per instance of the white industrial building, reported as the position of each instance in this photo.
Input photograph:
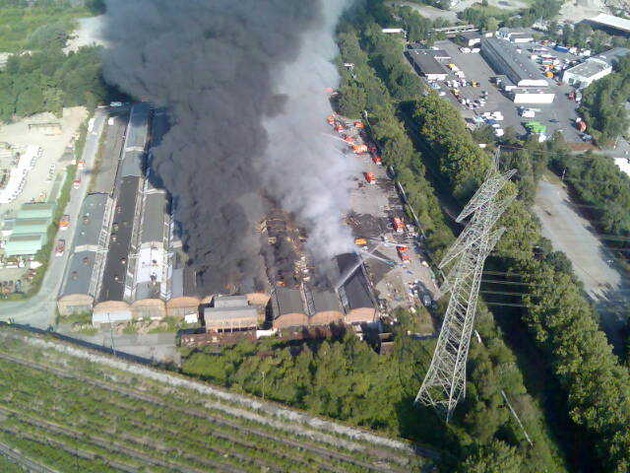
(528, 95)
(593, 68)
(584, 74)
(150, 263)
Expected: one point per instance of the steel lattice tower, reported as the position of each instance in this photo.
(445, 381)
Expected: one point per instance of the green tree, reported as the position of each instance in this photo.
(498, 457)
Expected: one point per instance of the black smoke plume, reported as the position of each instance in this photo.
(213, 64)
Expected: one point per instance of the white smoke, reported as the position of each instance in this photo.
(301, 166)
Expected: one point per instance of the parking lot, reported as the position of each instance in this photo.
(560, 115)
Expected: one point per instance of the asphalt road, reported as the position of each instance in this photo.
(39, 310)
(572, 234)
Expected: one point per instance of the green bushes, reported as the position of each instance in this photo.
(603, 104)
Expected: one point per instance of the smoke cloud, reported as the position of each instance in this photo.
(244, 85)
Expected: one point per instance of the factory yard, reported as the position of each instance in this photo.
(592, 262)
(34, 155)
(558, 116)
(133, 416)
(392, 253)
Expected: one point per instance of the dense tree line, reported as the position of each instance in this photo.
(490, 17)
(553, 301)
(603, 104)
(40, 77)
(22, 22)
(49, 80)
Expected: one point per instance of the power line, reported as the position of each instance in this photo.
(445, 381)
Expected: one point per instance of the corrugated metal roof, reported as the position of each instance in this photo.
(24, 245)
(138, 128)
(90, 223)
(612, 21)
(214, 314)
(36, 210)
(132, 164)
(517, 66)
(154, 216)
(31, 226)
(356, 292)
(425, 62)
(286, 301)
(229, 302)
(79, 273)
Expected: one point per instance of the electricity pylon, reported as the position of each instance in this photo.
(445, 381)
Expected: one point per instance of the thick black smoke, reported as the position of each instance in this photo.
(213, 64)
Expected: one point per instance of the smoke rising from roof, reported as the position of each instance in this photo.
(244, 84)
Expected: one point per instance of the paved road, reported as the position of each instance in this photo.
(575, 237)
(39, 310)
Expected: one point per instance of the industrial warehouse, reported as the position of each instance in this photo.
(127, 265)
(120, 267)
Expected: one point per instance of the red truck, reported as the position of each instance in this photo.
(370, 177)
(403, 253)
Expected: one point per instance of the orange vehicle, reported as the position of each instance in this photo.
(330, 119)
(581, 126)
(399, 226)
(64, 223)
(370, 177)
(359, 125)
(358, 149)
(403, 253)
(377, 160)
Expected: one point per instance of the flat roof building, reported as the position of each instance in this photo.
(36, 210)
(613, 55)
(151, 264)
(234, 314)
(31, 226)
(124, 219)
(584, 74)
(504, 58)
(85, 266)
(469, 38)
(24, 245)
(426, 65)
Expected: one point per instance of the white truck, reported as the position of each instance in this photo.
(527, 113)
